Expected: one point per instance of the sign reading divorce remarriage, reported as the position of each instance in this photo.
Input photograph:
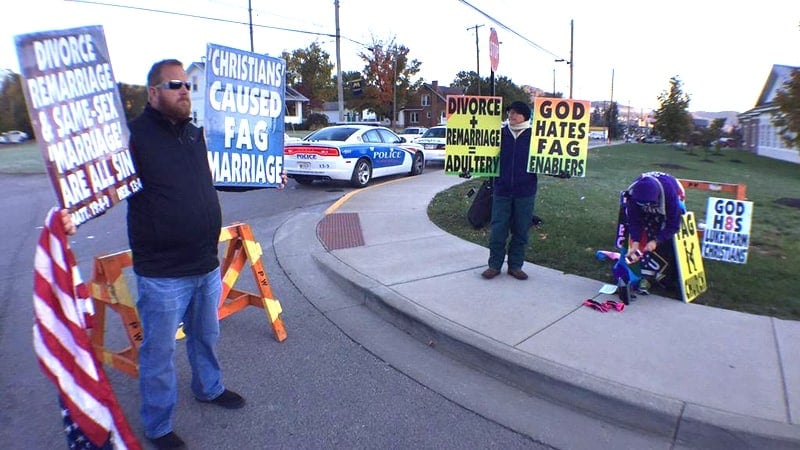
(78, 118)
(560, 141)
(472, 145)
(727, 234)
(244, 113)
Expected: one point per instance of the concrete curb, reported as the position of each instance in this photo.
(686, 424)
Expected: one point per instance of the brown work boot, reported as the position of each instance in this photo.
(518, 274)
(490, 273)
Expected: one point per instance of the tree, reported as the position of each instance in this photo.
(13, 110)
(787, 117)
(672, 119)
(133, 97)
(387, 76)
(503, 87)
(309, 72)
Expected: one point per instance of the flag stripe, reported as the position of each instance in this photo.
(62, 345)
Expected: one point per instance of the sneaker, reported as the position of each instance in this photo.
(228, 400)
(168, 441)
(490, 273)
(518, 274)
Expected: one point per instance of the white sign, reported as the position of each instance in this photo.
(727, 234)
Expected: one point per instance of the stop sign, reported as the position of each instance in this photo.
(494, 50)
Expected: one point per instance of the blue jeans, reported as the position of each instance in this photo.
(512, 215)
(163, 304)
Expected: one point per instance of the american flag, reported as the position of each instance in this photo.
(62, 311)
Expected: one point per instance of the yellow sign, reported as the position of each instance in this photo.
(689, 256)
(560, 141)
(472, 146)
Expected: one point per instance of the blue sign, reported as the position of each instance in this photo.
(244, 117)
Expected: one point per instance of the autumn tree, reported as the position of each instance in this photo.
(787, 117)
(308, 70)
(672, 119)
(133, 97)
(388, 79)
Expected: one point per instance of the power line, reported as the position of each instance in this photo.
(510, 30)
(215, 19)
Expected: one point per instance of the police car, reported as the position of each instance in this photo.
(354, 153)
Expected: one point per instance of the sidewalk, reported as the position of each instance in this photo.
(701, 376)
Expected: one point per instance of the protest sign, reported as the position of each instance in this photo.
(472, 145)
(560, 141)
(244, 117)
(78, 118)
(727, 234)
(690, 261)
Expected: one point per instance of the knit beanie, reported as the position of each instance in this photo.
(521, 108)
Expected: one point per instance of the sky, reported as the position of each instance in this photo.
(622, 50)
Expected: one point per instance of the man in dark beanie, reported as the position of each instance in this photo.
(513, 195)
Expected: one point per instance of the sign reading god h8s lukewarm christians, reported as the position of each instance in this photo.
(560, 141)
(244, 113)
(472, 146)
(77, 115)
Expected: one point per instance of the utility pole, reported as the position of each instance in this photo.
(250, 12)
(610, 108)
(339, 87)
(571, 47)
(477, 55)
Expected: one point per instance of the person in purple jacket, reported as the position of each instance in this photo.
(653, 208)
(514, 193)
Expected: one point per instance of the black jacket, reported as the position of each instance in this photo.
(175, 220)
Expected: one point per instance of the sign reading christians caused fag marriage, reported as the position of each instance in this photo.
(244, 113)
(77, 115)
(472, 145)
(560, 141)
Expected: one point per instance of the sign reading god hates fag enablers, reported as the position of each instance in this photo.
(472, 145)
(244, 113)
(78, 118)
(560, 141)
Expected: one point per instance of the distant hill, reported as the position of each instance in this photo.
(729, 116)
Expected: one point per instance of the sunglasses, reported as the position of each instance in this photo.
(174, 85)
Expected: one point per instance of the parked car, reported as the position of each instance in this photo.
(287, 139)
(411, 134)
(654, 140)
(15, 137)
(433, 142)
(354, 153)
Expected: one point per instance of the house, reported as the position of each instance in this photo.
(196, 73)
(427, 107)
(760, 135)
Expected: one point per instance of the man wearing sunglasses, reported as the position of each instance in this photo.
(654, 203)
(174, 224)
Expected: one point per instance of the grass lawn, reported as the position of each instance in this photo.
(580, 216)
(25, 158)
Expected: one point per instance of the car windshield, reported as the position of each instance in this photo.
(331, 134)
(435, 133)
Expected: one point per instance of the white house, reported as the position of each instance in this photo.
(196, 73)
(760, 135)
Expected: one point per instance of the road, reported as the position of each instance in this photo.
(318, 389)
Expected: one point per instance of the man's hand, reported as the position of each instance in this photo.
(284, 181)
(651, 246)
(66, 220)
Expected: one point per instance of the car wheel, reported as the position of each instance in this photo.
(418, 165)
(362, 173)
(304, 180)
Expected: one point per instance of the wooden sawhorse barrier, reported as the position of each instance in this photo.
(737, 190)
(109, 290)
